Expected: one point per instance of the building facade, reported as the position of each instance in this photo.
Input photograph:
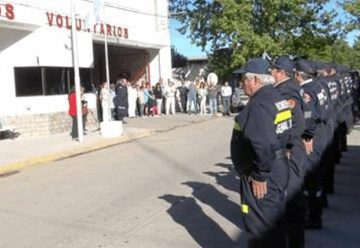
(36, 55)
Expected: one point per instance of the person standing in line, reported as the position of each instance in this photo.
(226, 93)
(170, 98)
(202, 93)
(191, 99)
(105, 101)
(141, 100)
(121, 100)
(73, 114)
(84, 109)
(112, 107)
(147, 98)
(182, 96)
(131, 100)
(258, 153)
(159, 98)
(283, 70)
(212, 92)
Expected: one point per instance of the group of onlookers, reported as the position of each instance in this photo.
(145, 99)
(124, 98)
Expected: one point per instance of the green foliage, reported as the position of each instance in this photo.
(353, 8)
(247, 28)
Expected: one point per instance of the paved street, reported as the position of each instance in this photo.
(172, 189)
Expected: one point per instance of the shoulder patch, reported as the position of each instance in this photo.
(292, 103)
(306, 98)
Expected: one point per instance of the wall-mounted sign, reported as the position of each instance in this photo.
(7, 11)
(63, 21)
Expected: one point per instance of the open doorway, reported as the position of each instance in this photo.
(125, 61)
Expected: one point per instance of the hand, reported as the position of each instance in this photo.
(308, 146)
(259, 188)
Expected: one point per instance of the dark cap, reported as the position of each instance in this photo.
(284, 63)
(255, 65)
(305, 66)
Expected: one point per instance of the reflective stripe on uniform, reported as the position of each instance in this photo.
(244, 208)
(282, 116)
(237, 126)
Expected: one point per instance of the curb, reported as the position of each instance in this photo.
(57, 156)
(14, 167)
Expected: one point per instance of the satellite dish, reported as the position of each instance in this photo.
(212, 78)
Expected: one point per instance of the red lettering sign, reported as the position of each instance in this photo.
(65, 22)
(7, 10)
(50, 17)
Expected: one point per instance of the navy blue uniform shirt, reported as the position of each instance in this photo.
(260, 133)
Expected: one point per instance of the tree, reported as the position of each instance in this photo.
(353, 8)
(250, 27)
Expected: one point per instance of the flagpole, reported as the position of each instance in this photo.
(75, 56)
(107, 71)
(107, 64)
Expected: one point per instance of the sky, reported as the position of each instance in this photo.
(183, 44)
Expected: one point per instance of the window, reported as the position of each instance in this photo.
(37, 81)
(28, 81)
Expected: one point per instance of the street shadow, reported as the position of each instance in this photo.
(227, 179)
(220, 202)
(205, 231)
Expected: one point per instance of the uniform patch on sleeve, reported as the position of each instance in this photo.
(292, 103)
(282, 116)
(306, 98)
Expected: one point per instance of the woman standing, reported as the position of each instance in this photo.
(159, 98)
(105, 99)
(72, 113)
(202, 93)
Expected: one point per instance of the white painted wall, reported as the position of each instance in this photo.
(32, 42)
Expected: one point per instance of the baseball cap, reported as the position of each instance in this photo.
(305, 66)
(255, 65)
(284, 63)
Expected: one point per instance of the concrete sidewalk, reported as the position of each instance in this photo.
(22, 152)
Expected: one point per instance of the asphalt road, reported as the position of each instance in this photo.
(173, 189)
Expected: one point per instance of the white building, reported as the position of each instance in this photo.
(36, 55)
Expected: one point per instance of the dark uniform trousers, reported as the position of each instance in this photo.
(263, 218)
(296, 202)
(313, 183)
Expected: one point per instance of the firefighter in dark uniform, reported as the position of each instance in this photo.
(328, 81)
(258, 152)
(121, 100)
(314, 136)
(283, 72)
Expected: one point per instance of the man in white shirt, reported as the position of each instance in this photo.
(170, 91)
(226, 93)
